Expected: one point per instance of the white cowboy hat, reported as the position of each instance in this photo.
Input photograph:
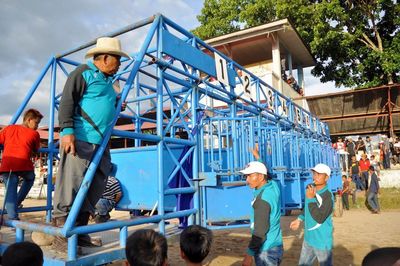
(107, 45)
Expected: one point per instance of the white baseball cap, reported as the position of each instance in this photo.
(322, 169)
(254, 167)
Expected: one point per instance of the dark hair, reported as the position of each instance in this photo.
(97, 56)
(32, 113)
(146, 247)
(23, 253)
(195, 243)
(372, 168)
(382, 256)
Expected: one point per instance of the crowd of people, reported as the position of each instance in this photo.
(384, 153)
(361, 163)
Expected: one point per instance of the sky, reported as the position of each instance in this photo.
(33, 31)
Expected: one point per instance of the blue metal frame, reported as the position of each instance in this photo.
(169, 85)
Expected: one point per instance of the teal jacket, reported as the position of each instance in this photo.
(87, 106)
(265, 219)
(317, 217)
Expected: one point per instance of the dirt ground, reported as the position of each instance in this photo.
(355, 234)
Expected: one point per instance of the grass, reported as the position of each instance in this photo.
(389, 199)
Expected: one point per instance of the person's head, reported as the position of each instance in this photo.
(321, 173)
(353, 158)
(256, 174)
(383, 256)
(107, 55)
(344, 177)
(195, 243)
(371, 169)
(350, 139)
(372, 157)
(23, 253)
(146, 247)
(368, 138)
(359, 138)
(32, 118)
(350, 179)
(340, 139)
(364, 156)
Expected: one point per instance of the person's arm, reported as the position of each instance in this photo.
(72, 93)
(320, 213)
(36, 145)
(118, 197)
(345, 189)
(255, 152)
(2, 136)
(262, 211)
(377, 184)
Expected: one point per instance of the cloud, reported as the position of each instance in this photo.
(33, 31)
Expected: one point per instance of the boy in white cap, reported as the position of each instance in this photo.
(317, 217)
(266, 236)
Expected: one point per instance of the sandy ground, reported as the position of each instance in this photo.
(355, 234)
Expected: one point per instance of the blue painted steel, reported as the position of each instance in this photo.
(72, 247)
(50, 141)
(139, 182)
(168, 88)
(233, 203)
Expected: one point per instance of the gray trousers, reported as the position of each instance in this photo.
(71, 172)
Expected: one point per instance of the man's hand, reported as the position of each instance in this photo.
(123, 106)
(311, 191)
(247, 261)
(294, 225)
(68, 144)
(255, 152)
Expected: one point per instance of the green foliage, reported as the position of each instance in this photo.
(356, 43)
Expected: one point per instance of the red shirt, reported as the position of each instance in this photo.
(364, 165)
(19, 143)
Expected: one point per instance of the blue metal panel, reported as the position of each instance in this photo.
(228, 203)
(185, 52)
(137, 174)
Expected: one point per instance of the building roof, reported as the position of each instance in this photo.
(362, 111)
(254, 44)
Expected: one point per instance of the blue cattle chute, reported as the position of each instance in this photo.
(185, 201)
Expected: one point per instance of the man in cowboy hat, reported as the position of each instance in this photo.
(87, 109)
(266, 235)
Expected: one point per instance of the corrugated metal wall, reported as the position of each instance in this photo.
(358, 111)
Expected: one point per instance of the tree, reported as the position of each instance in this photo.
(355, 42)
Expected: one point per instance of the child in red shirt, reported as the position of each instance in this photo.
(364, 166)
(19, 142)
